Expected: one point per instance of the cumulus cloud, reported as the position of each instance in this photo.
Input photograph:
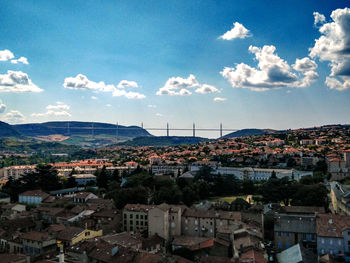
(272, 72)
(14, 116)
(94, 98)
(18, 82)
(219, 99)
(319, 18)
(22, 60)
(108, 105)
(6, 55)
(177, 86)
(58, 110)
(81, 82)
(205, 88)
(159, 115)
(127, 84)
(237, 31)
(334, 46)
(151, 106)
(2, 107)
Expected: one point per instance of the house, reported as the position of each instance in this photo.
(12, 211)
(333, 234)
(33, 197)
(192, 243)
(340, 198)
(4, 198)
(83, 197)
(37, 243)
(124, 239)
(72, 235)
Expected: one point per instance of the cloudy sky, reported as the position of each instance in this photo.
(263, 64)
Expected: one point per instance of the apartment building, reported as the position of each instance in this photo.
(165, 221)
(135, 217)
(340, 198)
(16, 171)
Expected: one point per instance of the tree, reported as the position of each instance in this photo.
(248, 186)
(189, 196)
(102, 178)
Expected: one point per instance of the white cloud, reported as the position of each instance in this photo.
(94, 98)
(159, 115)
(205, 88)
(127, 84)
(128, 94)
(18, 82)
(59, 106)
(319, 18)
(334, 46)
(6, 55)
(14, 116)
(151, 106)
(108, 105)
(22, 60)
(58, 110)
(177, 86)
(272, 72)
(238, 31)
(2, 107)
(81, 82)
(304, 64)
(219, 99)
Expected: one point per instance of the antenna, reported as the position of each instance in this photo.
(220, 130)
(167, 129)
(142, 125)
(194, 130)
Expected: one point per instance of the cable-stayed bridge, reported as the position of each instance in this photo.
(167, 129)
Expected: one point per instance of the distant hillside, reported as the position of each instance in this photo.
(163, 141)
(72, 128)
(248, 132)
(6, 130)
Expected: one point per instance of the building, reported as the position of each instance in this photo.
(333, 234)
(291, 229)
(72, 235)
(84, 179)
(204, 223)
(167, 169)
(36, 243)
(258, 174)
(339, 168)
(165, 221)
(83, 197)
(16, 171)
(340, 198)
(296, 254)
(135, 217)
(33, 197)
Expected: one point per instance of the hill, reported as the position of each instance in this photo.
(162, 141)
(248, 132)
(79, 128)
(6, 130)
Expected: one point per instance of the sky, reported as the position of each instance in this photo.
(245, 64)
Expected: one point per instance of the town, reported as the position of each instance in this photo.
(259, 198)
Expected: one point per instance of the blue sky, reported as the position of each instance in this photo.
(164, 61)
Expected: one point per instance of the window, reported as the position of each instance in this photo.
(322, 240)
(124, 215)
(331, 241)
(141, 216)
(145, 217)
(280, 245)
(137, 216)
(137, 223)
(131, 216)
(87, 234)
(196, 222)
